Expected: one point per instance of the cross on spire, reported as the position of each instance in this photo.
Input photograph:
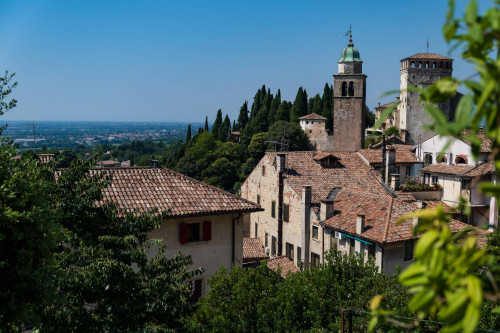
(349, 32)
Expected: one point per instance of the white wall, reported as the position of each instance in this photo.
(436, 144)
(210, 255)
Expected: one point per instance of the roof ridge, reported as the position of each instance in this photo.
(210, 186)
(386, 227)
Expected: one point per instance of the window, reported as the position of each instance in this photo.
(299, 254)
(273, 208)
(273, 246)
(315, 232)
(344, 88)
(352, 248)
(434, 180)
(256, 229)
(441, 158)
(266, 240)
(196, 290)
(334, 242)
(461, 159)
(408, 171)
(427, 177)
(371, 250)
(465, 184)
(408, 250)
(351, 88)
(314, 259)
(263, 170)
(427, 159)
(286, 213)
(194, 232)
(289, 251)
(310, 131)
(258, 199)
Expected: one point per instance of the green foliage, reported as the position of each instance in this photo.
(224, 130)
(391, 131)
(257, 146)
(291, 133)
(369, 117)
(259, 300)
(221, 173)
(217, 124)
(299, 107)
(104, 280)
(243, 116)
(188, 134)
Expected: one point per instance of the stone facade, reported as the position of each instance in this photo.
(315, 127)
(420, 71)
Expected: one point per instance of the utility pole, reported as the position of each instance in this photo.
(34, 138)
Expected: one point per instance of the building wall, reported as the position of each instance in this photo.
(266, 186)
(452, 189)
(212, 254)
(392, 257)
(412, 115)
(436, 144)
(348, 123)
(316, 132)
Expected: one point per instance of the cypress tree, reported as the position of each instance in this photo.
(327, 106)
(274, 108)
(188, 135)
(283, 112)
(234, 126)
(315, 105)
(257, 102)
(243, 116)
(224, 129)
(217, 123)
(206, 124)
(299, 107)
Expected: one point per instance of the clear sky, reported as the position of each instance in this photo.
(181, 60)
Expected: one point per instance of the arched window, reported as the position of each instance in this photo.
(344, 88)
(351, 88)
(441, 158)
(427, 159)
(461, 159)
(413, 64)
(419, 64)
(427, 64)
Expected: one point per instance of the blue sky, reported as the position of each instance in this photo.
(181, 60)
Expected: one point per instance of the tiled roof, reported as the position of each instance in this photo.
(253, 250)
(313, 116)
(392, 140)
(285, 264)
(139, 189)
(352, 172)
(457, 169)
(375, 156)
(384, 105)
(402, 147)
(428, 56)
(405, 196)
(45, 158)
(485, 141)
(482, 169)
(381, 217)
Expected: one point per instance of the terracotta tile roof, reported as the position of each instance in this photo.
(313, 116)
(352, 172)
(441, 168)
(405, 196)
(485, 140)
(375, 156)
(435, 204)
(428, 56)
(284, 263)
(384, 105)
(381, 217)
(402, 147)
(482, 169)
(139, 189)
(253, 250)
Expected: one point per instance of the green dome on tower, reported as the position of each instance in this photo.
(350, 53)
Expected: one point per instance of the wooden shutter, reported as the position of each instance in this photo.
(183, 233)
(207, 230)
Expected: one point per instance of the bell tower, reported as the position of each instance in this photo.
(349, 97)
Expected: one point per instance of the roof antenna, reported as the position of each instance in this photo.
(155, 162)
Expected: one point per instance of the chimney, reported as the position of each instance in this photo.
(306, 224)
(383, 158)
(415, 219)
(394, 181)
(360, 224)
(326, 209)
(281, 162)
(390, 161)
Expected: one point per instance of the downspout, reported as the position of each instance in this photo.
(383, 158)
(233, 231)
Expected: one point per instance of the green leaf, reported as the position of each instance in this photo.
(373, 324)
(424, 244)
(471, 12)
(471, 319)
(422, 301)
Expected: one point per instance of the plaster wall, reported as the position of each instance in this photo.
(393, 256)
(436, 144)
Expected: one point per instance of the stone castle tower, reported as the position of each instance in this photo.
(421, 70)
(349, 96)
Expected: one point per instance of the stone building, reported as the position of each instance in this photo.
(420, 71)
(315, 127)
(349, 97)
(199, 220)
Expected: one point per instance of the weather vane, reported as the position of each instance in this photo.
(349, 32)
